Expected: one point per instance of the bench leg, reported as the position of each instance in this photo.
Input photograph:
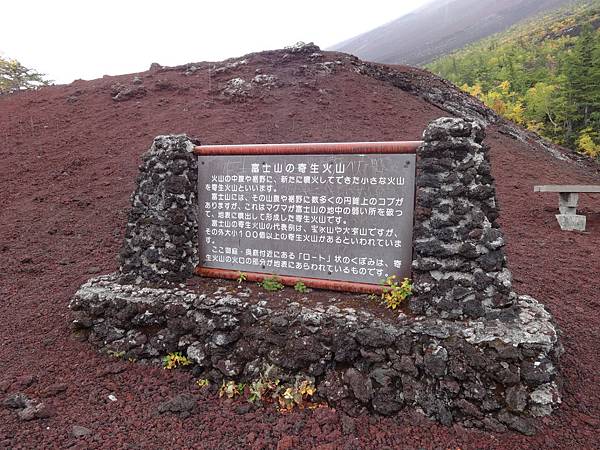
(567, 202)
(571, 222)
(568, 218)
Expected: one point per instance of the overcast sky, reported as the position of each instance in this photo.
(87, 39)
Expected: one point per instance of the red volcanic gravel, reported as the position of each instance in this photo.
(69, 157)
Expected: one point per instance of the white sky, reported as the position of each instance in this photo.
(87, 39)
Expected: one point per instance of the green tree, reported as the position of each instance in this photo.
(595, 81)
(15, 77)
(543, 109)
(579, 90)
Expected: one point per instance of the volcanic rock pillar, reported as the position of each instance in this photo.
(459, 267)
(161, 236)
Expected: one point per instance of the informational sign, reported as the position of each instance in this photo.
(345, 217)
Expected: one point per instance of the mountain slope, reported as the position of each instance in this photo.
(441, 27)
(70, 156)
(543, 73)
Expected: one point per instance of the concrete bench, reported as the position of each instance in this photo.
(568, 195)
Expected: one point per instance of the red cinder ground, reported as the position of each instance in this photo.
(69, 157)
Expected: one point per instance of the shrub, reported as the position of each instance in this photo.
(115, 354)
(301, 287)
(587, 143)
(202, 383)
(270, 390)
(393, 293)
(271, 284)
(262, 389)
(231, 389)
(175, 359)
(297, 395)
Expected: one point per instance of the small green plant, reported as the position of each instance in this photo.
(231, 389)
(271, 284)
(175, 359)
(202, 383)
(262, 389)
(395, 293)
(301, 287)
(241, 277)
(115, 354)
(297, 395)
(269, 390)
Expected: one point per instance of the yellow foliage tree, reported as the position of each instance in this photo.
(501, 99)
(587, 143)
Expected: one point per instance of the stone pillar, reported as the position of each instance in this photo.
(161, 236)
(459, 267)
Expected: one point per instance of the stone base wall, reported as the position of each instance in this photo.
(490, 374)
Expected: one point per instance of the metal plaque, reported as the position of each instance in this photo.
(335, 217)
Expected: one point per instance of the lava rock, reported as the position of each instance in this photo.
(55, 389)
(78, 431)
(121, 93)
(361, 386)
(182, 404)
(16, 401)
(517, 423)
(434, 361)
(516, 398)
(348, 425)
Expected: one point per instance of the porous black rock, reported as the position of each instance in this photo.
(456, 239)
(160, 241)
(79, 431)
(181, 404)
(27, 409)
(16, 400)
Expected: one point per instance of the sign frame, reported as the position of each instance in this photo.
(339, 148)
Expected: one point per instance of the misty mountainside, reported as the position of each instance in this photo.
(441, 27)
